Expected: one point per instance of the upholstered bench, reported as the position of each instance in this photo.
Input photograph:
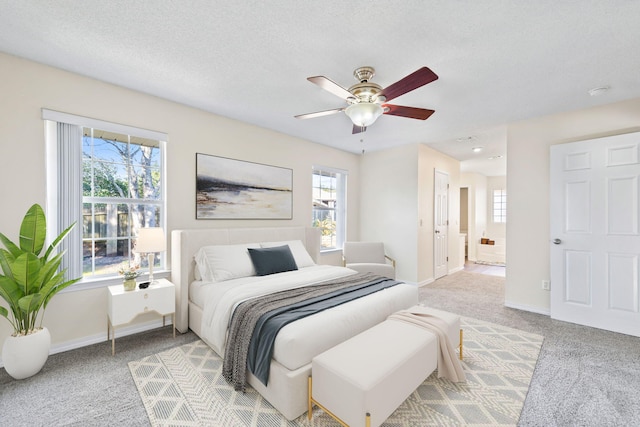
(361, 381)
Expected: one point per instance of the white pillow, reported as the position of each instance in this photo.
(225, 262)
(300, 254)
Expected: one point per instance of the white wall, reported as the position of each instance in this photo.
(389, 207)
(397, 207)
(27, 87)
(528, 221)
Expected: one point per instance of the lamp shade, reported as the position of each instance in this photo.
(151, 240)
(364, 113)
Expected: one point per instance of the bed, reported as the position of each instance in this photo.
(198, 305)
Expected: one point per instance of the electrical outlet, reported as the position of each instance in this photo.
(546, 285)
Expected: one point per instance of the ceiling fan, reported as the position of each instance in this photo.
(367, 100)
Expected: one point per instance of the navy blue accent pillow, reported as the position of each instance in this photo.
(272, 260)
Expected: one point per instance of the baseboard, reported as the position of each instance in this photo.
(426, 282)
(102, 337)
(455, 270)
(528, 308)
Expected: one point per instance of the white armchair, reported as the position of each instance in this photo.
(368, 257)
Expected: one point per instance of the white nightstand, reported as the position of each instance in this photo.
(124, 306)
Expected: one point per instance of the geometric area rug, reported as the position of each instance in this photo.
(184, 386)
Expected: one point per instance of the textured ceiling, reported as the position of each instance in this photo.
(498, 61)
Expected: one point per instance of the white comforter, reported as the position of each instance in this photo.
(225, 296)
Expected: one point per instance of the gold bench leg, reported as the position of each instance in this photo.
(309, 403)
(312, 402)
(460, 344)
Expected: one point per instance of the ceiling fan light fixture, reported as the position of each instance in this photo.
(364, 114)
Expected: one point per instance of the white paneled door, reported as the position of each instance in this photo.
(595, 240)
(440, 225)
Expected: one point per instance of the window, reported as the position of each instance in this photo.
(121, 193)
(500, 206)
(109, 180)
(329, 206)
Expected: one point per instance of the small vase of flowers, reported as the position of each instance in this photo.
(130, 272)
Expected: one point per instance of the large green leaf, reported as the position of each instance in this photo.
(57, 241)
(48, 269)
(52, 283)
(12, 247)
(57, 289)
(10, 291)
(30, 303)
(6, 258)
(26, 269)
(33, 230)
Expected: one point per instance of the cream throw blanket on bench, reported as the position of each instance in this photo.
(448, 364)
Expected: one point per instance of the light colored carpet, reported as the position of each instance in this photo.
(584, 376)
(183, 386)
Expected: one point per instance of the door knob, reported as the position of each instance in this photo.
(557, 241)
(437, 231)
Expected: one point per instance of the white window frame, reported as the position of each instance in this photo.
(341, 203)
(499, 206)
(51, 119)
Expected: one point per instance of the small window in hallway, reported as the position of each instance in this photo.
(500, 206)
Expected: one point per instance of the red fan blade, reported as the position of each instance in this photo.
(358, 129)
(413, 81)
(410, 112)
(319, 114)
(330, 86)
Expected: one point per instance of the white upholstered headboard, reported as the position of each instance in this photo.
(185, 243)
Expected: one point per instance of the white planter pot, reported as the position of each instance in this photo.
(24, 356)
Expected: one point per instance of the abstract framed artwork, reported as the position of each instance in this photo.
(236, 189)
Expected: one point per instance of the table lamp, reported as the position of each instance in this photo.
(151, 240)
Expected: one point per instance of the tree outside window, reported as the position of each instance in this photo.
(122, 192)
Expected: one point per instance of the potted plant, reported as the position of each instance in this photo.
(130, 272)
(28, 283)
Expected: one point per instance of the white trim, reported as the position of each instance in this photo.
(426, 282)
(103, 282)
(101, 337)
(51, 170)
(73, 119)
(437, 171)
(529, 308)
(329, 169)
(455, 270)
